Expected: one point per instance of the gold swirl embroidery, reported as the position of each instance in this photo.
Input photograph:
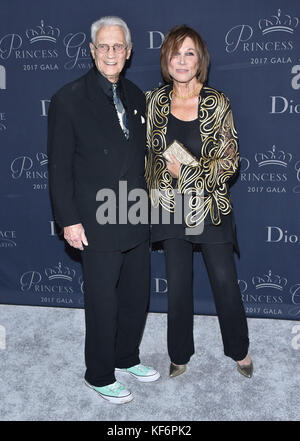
(158, 178)
(206, 183)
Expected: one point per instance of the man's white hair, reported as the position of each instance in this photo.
(110, 21)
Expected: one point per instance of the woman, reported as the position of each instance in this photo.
(200, 118)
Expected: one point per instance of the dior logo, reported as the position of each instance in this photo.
(280, 104)
(161, 286)
(2, 77)
(277, 234)
(45, 106)
(156, 38)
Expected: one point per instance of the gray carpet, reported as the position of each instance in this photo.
(42, 369)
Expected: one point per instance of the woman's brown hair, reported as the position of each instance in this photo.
(172, 42)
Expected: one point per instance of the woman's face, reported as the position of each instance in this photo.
(183, 64)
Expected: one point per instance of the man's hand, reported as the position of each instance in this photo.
(174, 166)
(75, 236)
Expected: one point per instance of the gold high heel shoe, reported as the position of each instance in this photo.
(176, 369)
(246, 370)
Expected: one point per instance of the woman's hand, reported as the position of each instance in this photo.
(75, 236)
(174, 166)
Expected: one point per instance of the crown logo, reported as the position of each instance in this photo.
(277, 23)
(60, 272)
(42, 33)
(269, 281)
(42, 158)
(271, 157)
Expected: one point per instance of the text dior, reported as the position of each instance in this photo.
(277, 234)
(280, 104)
(45, 106)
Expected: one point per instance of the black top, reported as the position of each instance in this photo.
(187, 132)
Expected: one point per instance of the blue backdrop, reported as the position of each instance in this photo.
(254, 47)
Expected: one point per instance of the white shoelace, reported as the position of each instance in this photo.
(116, 386)
(141, 367)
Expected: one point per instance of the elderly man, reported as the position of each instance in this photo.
(96, 139)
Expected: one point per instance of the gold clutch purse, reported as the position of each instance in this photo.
(181, 153)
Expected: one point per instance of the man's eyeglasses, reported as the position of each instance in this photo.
(104, 48)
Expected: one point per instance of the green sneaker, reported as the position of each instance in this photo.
(114, 393)
(142, 373)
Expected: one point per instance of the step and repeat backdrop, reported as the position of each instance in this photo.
(255, 60)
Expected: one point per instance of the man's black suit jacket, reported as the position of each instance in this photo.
(88, 152)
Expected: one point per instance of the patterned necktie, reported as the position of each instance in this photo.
(120, 111)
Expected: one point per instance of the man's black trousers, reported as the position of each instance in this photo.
(116, 295)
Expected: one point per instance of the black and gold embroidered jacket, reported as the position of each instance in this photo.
(207, 182)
